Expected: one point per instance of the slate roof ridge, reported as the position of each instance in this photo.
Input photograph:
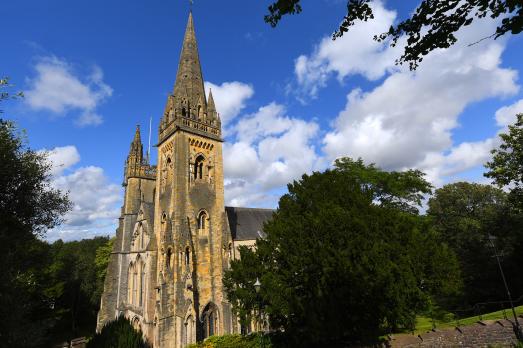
(248, 208)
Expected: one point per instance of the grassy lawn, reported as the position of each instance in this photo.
(424, 324)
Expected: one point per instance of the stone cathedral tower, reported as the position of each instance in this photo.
(175, 237)
(189, 206)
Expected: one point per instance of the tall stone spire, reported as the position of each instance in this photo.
(189, 80)
(187, 108)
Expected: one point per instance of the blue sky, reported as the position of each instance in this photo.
(291, 99)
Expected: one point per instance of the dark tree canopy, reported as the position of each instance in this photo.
(28, 206)
(346, 258)
(465, 215)
(433, 24)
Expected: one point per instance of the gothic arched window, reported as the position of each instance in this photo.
(130, 283)
(201, 220)
(198, 167)
(142, 285)
(210, 320)
(135, 285)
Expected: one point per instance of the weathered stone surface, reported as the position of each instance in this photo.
(174, 240)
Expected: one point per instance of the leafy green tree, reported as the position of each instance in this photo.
(432, 25)
(346, 258)
(465, 215)
(76, 287)
(506, 167)
(101, 262)
(29, 205)
(118, 334)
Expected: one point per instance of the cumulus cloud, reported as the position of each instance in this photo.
(507, 115)
(230, 98)
(95, 199)
(58, 89)
(269, 150)
(93, 196)
(408, 120)
(62, 158)
(354, 53)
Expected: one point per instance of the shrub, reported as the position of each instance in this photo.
(254, 340)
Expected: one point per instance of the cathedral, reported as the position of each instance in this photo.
(175, 237)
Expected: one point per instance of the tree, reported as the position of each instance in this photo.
(118, 333)
(506, 167)
(29, 205)
(346, 258)
(76, 288)
(432, 25)
(103, 254)
(4, 95)
(465, 215)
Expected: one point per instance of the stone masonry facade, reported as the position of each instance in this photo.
(175, 237)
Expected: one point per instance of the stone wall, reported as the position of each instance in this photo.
(488, 333)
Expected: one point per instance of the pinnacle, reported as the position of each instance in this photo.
(137, 138)
(210, 102)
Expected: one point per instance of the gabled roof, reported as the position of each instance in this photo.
(247, 223)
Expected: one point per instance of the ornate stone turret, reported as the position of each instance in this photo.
(135, 166)
(186, 107)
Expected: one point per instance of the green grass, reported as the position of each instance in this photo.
(424, 324)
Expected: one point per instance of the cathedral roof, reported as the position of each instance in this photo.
(247, 223)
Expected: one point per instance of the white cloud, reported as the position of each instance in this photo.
(271, 150)
(354, 53)
(57, 89)
(408, 120)
(95, 200)
(507, 115)
(230, 98)
(62, 158)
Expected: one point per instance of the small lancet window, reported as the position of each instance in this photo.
(168, 258)
(187, 256)
(184, 113)
(201, 220)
